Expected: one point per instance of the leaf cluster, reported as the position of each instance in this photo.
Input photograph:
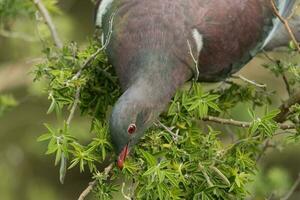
(96, 81)
(10, 10)
(183, 159)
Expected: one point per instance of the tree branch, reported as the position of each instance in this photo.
(169, 130)
(241, 124)
(265, 147)
(285, 107)
(93, 56)
(48, 20)
(286, 83)
(249, 81)
(284, 78)
(92, 184)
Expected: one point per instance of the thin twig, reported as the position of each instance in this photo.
(292, 190)
(93, 56)
(286, 24)
(241, 123)
(123, 192)
(284, 78)
(48, 20)
(269, 57)
(195, 70)
(285, 107)
(86, 63)
(74, 106)
(293, 99)
(250, 81)
(92, 184)
(286, 82)
(265, 147)
(174, 135)
(237, 142)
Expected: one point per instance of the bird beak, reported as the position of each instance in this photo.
(122, 156)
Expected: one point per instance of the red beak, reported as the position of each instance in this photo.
(122, 157)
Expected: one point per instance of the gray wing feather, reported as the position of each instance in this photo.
(278, 35)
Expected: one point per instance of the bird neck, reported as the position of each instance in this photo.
(158, 76)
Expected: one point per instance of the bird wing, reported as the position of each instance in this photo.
(96, 10)
(279, 36)
(233, 32)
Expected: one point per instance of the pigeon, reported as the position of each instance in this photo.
(155, 46)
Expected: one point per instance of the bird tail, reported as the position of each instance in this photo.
(286, 7)
(278, 35)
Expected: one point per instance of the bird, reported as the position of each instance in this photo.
(155, 46)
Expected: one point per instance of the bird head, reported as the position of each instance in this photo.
(129, 120)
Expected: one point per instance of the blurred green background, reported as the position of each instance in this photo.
(27, 174)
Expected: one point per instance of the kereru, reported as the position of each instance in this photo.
(156, 46)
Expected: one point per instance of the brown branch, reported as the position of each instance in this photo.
(265, 147)
(241, 124)
(284, 77)
(92, 184)
(286, 82)
(48, 20)
(285, 107)
(93, 56)
(286, 24)
(90, 59)
(169, 130)
(78, 74)
(249, 81)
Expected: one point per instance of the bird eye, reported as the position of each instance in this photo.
(131, 128)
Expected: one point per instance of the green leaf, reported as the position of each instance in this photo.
(58, 155)
(44, 137)
(63, 168)
(74, 162)
(149, 158)
(52, 106)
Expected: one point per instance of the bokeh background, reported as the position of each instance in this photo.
(26, 173)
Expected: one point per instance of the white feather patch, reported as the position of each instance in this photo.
(198, 39)
(103, 8)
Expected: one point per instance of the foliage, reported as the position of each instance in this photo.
(192, 163)
(97, 82)
(13, 9)
(183, 159)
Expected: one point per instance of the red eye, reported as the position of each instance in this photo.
(131, 128)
